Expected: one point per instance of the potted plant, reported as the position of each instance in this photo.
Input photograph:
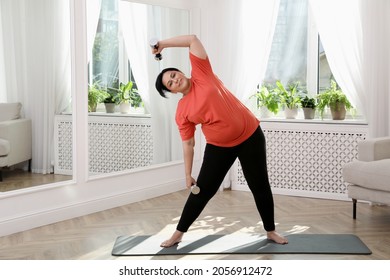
(289, 98)
(308, 105)
(96, 95)
(137, 103)
(110, 102)
(127, 96)
(335, 99)
(267, 100)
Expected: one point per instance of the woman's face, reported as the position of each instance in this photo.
(176, 81)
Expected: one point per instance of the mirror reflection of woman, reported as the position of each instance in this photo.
(231, 132)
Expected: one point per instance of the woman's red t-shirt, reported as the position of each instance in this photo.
(225, 121)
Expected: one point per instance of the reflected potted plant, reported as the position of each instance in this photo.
(96, 95)
(127, 93)
(308, 105)
(137, 103)
(109, 102)
(336, 100)
(289, 98)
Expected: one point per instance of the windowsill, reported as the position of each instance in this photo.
(116, 114)
(316, 121)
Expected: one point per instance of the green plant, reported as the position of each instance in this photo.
(308, 102)
(332, 97)
(267, 97)
(289, 97)
(96, 95)
(112, 93)
(127, 93)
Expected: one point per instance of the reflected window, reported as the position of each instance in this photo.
(105, 68)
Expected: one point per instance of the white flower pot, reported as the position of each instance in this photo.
(291, 113)
(124, 108)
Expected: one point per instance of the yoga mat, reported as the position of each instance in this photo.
(149, 245)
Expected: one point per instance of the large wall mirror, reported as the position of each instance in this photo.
(35, 71)
(131, 126)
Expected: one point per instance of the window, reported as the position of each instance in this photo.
(297, 55)
(288, 58)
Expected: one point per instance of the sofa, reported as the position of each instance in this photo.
(368, 177)
(15, 136)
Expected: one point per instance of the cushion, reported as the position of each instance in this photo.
(368, 174)
(4, 147)
(10, 111)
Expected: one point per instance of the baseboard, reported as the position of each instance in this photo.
(308, 194)
(54, 215)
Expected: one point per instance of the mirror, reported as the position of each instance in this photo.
(120, 60)
(35, 71)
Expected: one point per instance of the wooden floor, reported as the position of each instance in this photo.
(93, 236)
(18, 179)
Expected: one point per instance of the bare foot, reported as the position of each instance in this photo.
(175, 239)
(276, 237)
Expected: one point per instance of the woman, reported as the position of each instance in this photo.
(231, 132)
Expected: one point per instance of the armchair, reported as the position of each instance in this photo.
(368, 177)
(15, 136)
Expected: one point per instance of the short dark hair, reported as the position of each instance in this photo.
(161, 88)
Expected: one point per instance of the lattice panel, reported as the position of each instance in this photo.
(308, 161)
(64, 145)
(113, 145)
(118, 146)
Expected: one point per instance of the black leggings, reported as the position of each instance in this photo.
(216, 163)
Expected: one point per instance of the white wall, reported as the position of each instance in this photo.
(25, 209)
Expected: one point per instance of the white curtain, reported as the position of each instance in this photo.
(355, 37)
(36, 52)
(243, 36)
(376, 46)
(3, 81)
(134, 23)
(254, 39)
(239, 43)
(93, 13)
(139, 23)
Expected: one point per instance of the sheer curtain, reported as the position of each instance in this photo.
(356, 40)
(93, 12)
(36, 52)
(139, 23)
(3, 81)
(240, 43)
(376, 46)
(245, 43)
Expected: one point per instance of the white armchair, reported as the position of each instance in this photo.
(368, 177)
(15, 136)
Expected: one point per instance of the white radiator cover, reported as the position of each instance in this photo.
(116, 143)
(306, 158)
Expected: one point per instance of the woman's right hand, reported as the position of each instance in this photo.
(190, 182)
